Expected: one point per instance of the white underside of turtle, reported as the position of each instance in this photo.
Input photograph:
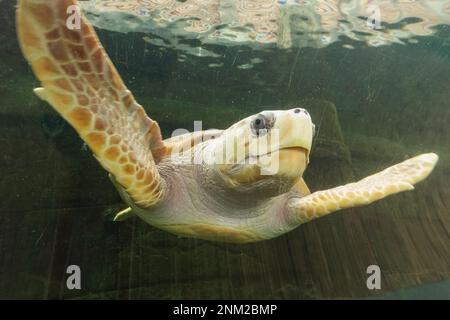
(241, 184)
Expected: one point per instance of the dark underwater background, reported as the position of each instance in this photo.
(373, 107)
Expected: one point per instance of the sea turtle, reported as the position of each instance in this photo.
(241, 184)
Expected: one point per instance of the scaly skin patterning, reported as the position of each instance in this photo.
(242, 184)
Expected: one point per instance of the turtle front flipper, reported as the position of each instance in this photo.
(398, 178)
(80, 82)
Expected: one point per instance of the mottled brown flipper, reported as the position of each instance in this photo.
(398, 178)
(81, 84)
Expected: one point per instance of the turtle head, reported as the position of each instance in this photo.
(266, 150)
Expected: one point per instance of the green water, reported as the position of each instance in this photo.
(373, 107)
(433, 291)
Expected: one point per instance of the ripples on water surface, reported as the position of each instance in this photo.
(265, 23)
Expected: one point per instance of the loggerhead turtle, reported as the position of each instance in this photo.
(240, 199)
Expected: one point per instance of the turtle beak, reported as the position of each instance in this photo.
(295, 128)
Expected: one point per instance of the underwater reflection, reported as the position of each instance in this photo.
(261, 23)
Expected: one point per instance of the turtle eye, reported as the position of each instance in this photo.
(258, 124)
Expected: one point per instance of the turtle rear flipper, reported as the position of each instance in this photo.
(398, 178)
(124, 215)
(80, 82)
